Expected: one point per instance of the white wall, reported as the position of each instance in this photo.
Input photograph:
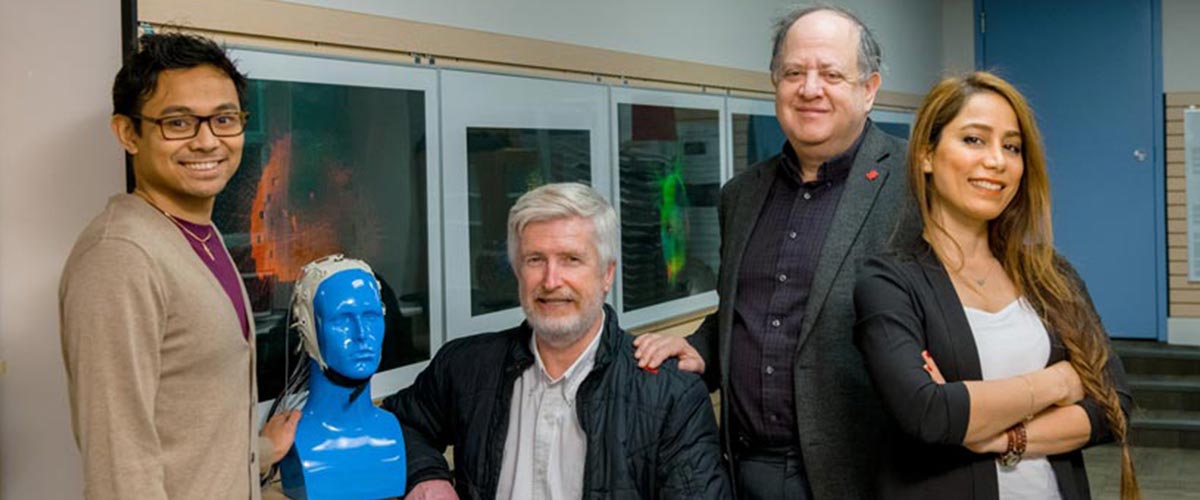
(1181, 45)
(57, 166)
(720, 32)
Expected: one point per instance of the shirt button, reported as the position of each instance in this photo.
(792, 235)
(770, 370)
(808, 196)
(775, 323)
(774, 418)
(782, 278)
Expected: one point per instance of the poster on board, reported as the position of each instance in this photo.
(1191, 168)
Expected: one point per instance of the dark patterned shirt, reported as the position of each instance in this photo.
(773, 284)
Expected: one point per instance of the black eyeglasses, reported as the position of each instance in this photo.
(175, 127)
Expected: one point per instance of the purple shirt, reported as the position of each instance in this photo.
(221, 265)
(776, 272)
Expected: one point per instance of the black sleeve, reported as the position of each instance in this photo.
(690, 462)
(704, 340)
(890, 334)
(423, 410)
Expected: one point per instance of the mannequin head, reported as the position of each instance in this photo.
(340, 317)
(345, 447)
(349, 321)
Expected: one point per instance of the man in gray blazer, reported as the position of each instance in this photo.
(800, 416)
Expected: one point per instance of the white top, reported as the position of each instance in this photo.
(545, 447)
(1012, 342)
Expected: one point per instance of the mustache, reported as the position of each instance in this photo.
(554, 296)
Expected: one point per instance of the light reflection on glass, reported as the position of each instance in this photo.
(670, 176)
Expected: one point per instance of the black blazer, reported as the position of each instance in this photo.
(906, 303)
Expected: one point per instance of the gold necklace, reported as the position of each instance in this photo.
(980, 283)
(202, 241)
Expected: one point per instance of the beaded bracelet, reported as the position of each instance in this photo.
(1017, 440)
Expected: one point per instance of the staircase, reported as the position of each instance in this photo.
(1165, 380)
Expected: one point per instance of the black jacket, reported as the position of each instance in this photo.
(648, 435)
(906, 303)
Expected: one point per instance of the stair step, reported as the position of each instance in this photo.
(1165, 380)
(1166, 392)
(1149, 357)
(1152, 349)
(1166, 428)
(1167, 419)
(1157, 382)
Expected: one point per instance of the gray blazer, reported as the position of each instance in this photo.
(838, 414)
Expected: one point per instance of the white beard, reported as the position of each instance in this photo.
(563, 331)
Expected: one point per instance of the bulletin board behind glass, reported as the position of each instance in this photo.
(503, 136)
(754, 132)
(670, 169)
(337, 159)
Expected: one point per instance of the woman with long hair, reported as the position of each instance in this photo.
(981, 340)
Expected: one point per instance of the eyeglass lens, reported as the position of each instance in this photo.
(187, 126)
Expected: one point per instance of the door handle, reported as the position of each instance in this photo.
(1139, 155)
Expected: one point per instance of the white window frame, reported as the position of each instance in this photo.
(624, 95)
(478, 99)
(283, 66)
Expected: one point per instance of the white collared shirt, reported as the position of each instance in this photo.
(545, 448)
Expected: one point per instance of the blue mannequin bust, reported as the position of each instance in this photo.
(345, 447)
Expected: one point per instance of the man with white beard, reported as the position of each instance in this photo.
(557, 407)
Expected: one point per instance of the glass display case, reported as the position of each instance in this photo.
(503, 136)
(337, 159)
(754, 132)
(670, 169)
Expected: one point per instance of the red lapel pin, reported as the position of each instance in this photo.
(872, 174)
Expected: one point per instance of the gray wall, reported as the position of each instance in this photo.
(720, 32)
(58, 163)
(958, 36)
(1181, 45)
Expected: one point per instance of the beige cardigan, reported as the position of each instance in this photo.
(161, 382)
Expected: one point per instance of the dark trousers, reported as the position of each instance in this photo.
(770, 473)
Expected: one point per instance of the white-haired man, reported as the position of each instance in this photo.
(557, 407)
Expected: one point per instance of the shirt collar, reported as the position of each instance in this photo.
(835, 169)
(585, 359)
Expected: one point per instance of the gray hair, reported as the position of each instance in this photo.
(562, 200)
(870, 56)
(311, 277)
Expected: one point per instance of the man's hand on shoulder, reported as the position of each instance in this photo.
(281, 430)
(653, 349)
(433, 489)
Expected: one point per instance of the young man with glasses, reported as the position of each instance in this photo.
(157, 336)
